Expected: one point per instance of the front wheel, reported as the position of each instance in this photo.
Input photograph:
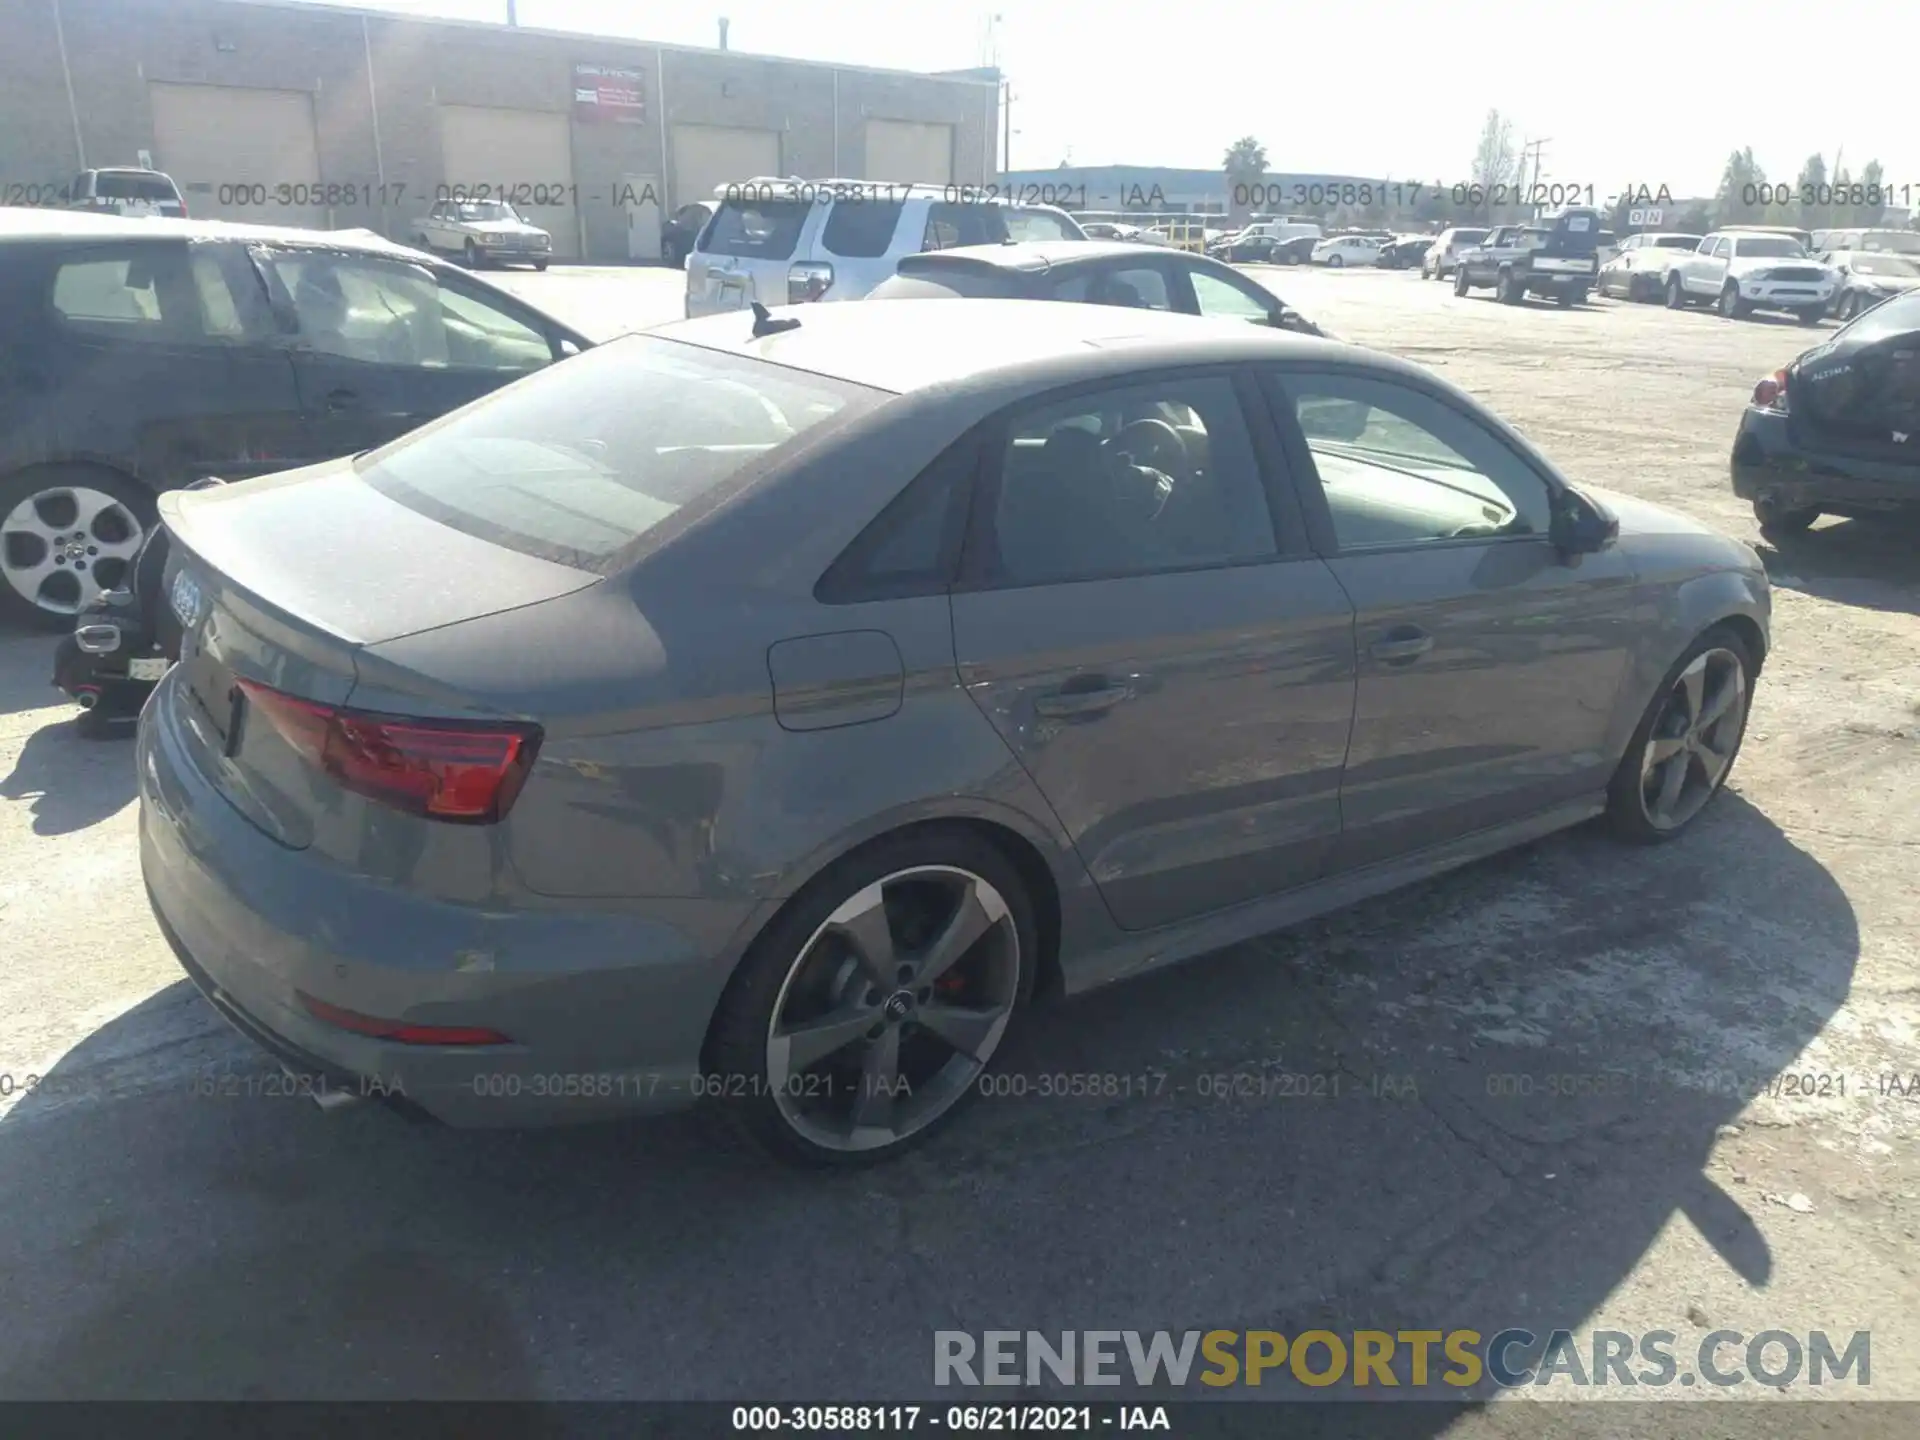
(871, 1008)
(1777, 519)
(540, 265)
(1460, 280)
(1731, 305)
(1509, 291)
(1810, 315)
(1684, 746)
(1676, 293)
(470, 253)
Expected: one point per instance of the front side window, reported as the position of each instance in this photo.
(577, 463)
(392, 312)
(1400, 468)
(1127, 481)
(1216, 296)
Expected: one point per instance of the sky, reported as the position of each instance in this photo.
(1394, 88)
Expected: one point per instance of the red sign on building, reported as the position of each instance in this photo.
(607, 92)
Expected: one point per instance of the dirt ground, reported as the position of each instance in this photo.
(162, 1242)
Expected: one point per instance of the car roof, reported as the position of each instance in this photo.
(1026, 256)
(19, 224)
(910, 345)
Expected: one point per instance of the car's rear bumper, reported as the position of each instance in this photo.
(1767, 464)
(608, 1008)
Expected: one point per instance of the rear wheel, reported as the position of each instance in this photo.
(1777, 519)
(863, 1018)
(1676, 293)
(1335, 261)
(1509, 290)
(67, 533)
(1684, 747)
(1810, 315)
(1459, 279)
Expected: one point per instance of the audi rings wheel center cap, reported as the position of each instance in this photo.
(899, 1005)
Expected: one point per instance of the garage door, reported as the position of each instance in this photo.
(529, 153)
(706, 156)
(239, 154)
(905, 150)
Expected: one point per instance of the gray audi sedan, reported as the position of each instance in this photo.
(765, 709)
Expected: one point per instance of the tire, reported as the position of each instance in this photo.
(1731, 305)
(1335, 262)
(420, 242)
(1425, 274)
(540, 266)
(1567, 299)
(1460, 286)
(1648, 801)
(1810, 316)
(1637, 289)
(1777, 520)
(1508, 291)
(809, 961)
(95, 517)
(470, 255)
(1676, 293)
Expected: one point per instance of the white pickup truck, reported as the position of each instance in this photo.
(1740, 271)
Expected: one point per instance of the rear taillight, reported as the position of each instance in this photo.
(807, 280)
(467, 772)
(1771, 393)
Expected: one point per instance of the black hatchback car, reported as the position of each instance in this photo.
(1837, 432)
(141, 355)
(1099, 272)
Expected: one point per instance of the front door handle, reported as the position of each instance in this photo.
(1402, 646)
(342, 399)
(1072, 703)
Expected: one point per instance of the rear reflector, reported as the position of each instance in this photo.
(398, 1030)
(462, 771)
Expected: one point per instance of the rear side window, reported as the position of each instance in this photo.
(142, 293)
(123, 186)
(578, 462)
(914, 545)
(951, 226)
(861, 229)
(758, 230)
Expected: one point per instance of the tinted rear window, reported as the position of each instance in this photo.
(578, 462)
(122, 186)
(758, 230)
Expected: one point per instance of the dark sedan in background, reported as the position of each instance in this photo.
(1404, 252)
(682, 229)
(786, 702)
(1837, 431)
(138, 355)
(1094, 272)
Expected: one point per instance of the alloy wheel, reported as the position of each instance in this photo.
(1694, 739)
(893, 1008)
(61, 547)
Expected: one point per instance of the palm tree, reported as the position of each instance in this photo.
(1246, 167)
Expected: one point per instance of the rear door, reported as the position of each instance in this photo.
(745, 251)
(382, 345)
(1860, 394)
(1489, 667)
(1173, 668)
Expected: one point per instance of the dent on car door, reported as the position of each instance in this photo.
(1490, 665)
(382, 345)
(1177, 680)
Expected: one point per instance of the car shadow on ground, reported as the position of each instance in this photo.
(1871, 563)
(71, 779)
(26, 669)
(1359, 1122)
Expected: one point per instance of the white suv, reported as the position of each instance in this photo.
(786, 241)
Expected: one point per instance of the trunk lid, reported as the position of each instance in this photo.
(1860, 396)
(284, 581)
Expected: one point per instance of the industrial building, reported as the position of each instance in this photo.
(279, 112)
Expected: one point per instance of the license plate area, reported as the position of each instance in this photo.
(149, 668)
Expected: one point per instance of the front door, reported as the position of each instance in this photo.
(1173, 671)
(1489, 665)
(381, 346)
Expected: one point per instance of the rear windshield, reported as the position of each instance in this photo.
(125, 185)
(1468, 237)
(1575, 233)
(578, 462)
(1676, 242)
(756, 230)
(1041, 225)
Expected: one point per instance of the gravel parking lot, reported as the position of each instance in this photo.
(166, 1242)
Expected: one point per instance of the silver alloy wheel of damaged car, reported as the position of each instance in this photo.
(1694, 738)
(62, 545)
(893, 1008)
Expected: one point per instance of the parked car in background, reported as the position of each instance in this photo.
(1866, 277)
(799, 703)
(1740, 271)
(1242, 248)
(1341, 250)
(483, 232)
(682, 229)
(1638, 268)
(1438, 262)
(1297, 250)
(1837, 430)
(1555, 260)
(1100, 272)
(785, 242)
(139, 355)
(1403, 252)
(126, 190)
(1898, 242)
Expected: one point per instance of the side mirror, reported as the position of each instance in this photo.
(1581, 525)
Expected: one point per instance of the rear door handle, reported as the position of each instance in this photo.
(342, 399)
(1400, 647)
(1069, 704)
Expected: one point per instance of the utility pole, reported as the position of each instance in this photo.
(1006, 124)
